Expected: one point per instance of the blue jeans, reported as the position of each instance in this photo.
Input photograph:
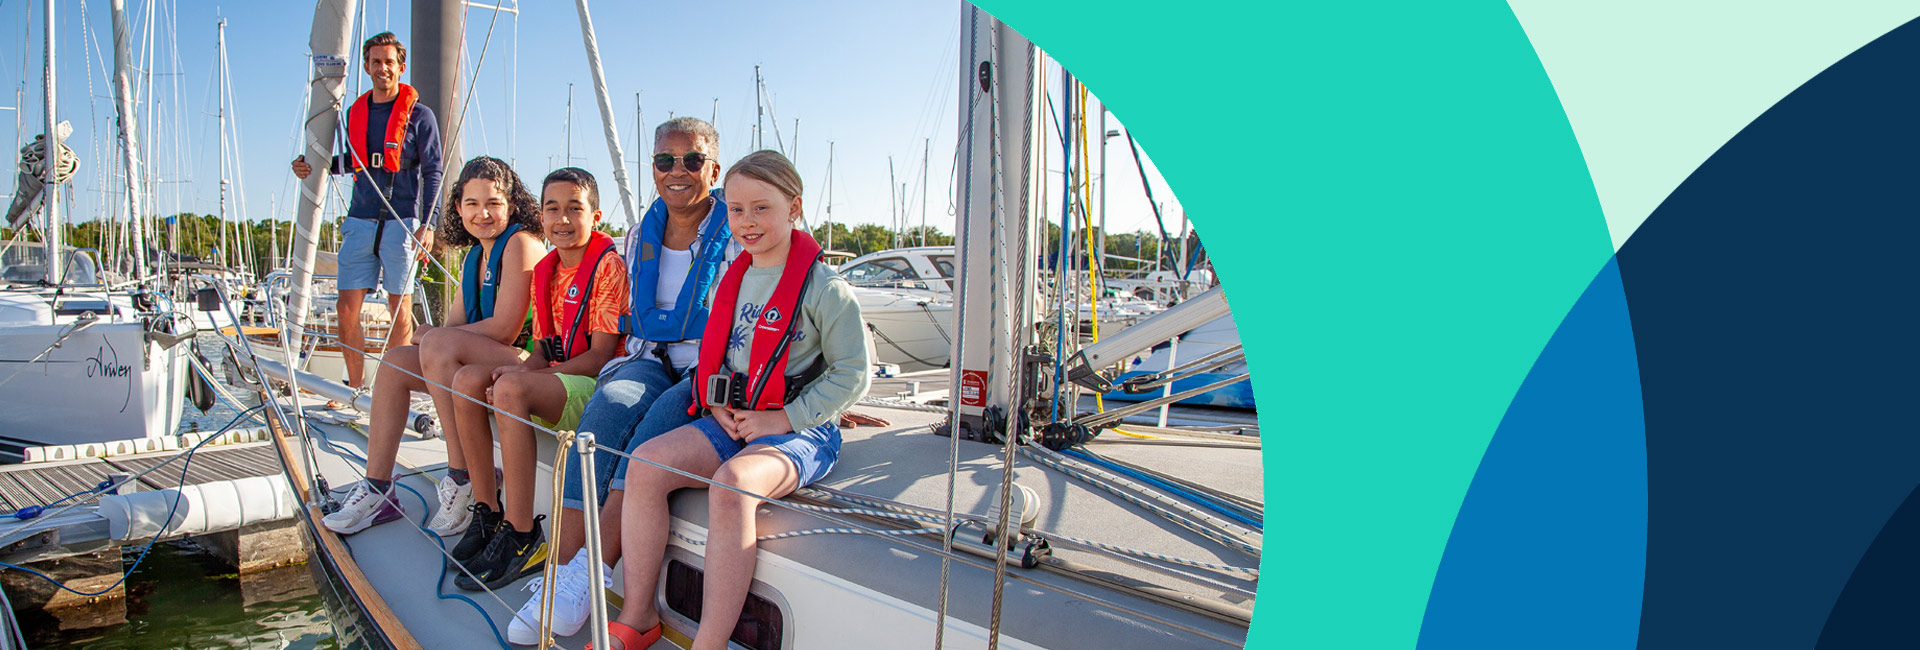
(668, 413)
(620, 416)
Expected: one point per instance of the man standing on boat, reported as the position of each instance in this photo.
(393, 152)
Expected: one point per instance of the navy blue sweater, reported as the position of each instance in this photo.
(412, 189)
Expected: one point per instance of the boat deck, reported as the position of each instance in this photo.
(902, 462)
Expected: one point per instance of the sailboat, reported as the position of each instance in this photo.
(82, 361)
(1020, 527)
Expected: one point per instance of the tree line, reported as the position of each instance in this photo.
(191, 236)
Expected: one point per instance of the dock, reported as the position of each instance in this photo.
(75, 545)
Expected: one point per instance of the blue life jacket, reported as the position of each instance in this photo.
(688, 318)
(478, 289)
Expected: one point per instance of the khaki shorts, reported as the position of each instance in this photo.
(579, 390)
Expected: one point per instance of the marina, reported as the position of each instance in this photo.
(1040, 438)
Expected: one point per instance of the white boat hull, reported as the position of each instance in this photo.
(912, 329)
(105, 382)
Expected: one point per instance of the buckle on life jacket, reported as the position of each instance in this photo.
(555, 348)
(720, 390)
(376, 162)
(730, 389)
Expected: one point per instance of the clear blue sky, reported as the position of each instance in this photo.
(877, 79)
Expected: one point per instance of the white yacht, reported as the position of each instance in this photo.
(82, 364)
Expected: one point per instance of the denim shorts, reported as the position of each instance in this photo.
(361, 268)
(813, 450)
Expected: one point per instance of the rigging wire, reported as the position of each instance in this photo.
(947, 554)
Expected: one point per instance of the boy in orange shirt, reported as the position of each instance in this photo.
(577, 323)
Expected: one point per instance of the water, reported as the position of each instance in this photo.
(182, 597)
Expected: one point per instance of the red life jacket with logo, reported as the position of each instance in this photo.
(571, 326)
(773, 331)
(389, 157)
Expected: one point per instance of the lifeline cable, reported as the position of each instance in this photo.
(946, 554)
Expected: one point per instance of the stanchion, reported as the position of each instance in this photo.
(596, 571)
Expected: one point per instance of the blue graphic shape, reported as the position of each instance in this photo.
(1775, 319)
(1548, 548)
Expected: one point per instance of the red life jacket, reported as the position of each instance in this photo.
(573, 312)
(389, 158)
(773, 331)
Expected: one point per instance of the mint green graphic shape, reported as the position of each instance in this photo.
(1401, 217)
(1654, 87)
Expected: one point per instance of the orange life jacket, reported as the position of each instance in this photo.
(570, 327)
(389, 157)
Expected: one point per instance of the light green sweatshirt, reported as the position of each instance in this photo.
(830, 325)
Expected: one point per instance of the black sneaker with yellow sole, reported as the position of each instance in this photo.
(480, 531)
(510, 556)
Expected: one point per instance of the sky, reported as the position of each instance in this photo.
(875, 79)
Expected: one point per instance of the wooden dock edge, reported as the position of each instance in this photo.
(328, 542)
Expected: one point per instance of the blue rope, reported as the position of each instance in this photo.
(1204, 501)
(440, 588)
(188, 462)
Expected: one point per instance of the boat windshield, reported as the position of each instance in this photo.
(883, 271)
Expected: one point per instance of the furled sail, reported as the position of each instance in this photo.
(330, 46)
(33, 173)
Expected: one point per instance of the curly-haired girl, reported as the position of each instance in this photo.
(493, 214)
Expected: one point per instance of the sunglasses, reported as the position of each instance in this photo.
(693, 162)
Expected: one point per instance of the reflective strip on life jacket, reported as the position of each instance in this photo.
(389, 157)
(773, 331)
(573, 312)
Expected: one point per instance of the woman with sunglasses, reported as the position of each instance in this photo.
(680, 249)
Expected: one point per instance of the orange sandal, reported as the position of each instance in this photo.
(630, 638)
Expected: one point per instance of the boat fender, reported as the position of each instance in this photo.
(204, 508)
(199, 390)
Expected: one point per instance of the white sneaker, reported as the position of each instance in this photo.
(362, 508)
(572, 603)
(453, 516)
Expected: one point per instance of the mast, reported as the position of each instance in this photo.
(439, 27)
(926, 157)
(996, 224)
(640, 141)
(829, 195)
(226, 252)
(1100, 253)
(893, 197)
(50, 160)
(606, 116)
(123, 102)
(328, 43)
(759, 112)
(566, 126)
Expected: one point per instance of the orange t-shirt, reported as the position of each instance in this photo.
(605, 305)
